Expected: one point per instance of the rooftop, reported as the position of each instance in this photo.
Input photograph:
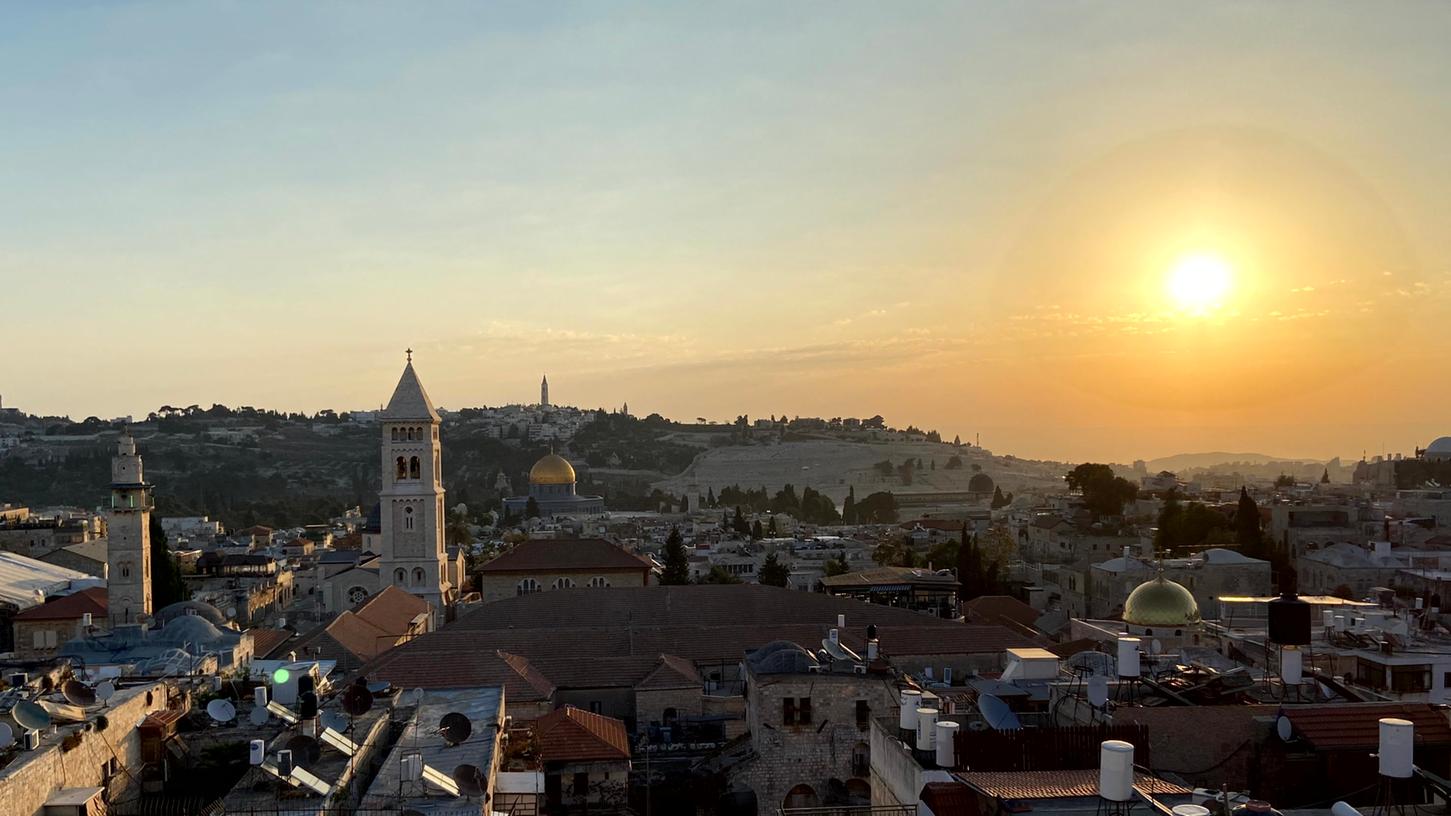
(564, 554)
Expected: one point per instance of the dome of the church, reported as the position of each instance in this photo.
(1440, 449)
(552, 470)
(1160, 602)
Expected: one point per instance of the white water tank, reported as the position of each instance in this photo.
(1128, 657)
(911, 701)
(1116, 771)
(257, 752)
(926, 729)
(1292, 666)
(1327, 616)
(1397, 744)
(946, 744)
(840, 622)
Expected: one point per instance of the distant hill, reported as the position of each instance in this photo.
(1186, 461)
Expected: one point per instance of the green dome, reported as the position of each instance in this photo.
(1161, 603)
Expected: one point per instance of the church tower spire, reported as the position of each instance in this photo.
(413, 556)
(544, 392)
(128, 528)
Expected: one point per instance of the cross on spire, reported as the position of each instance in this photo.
(409, 352)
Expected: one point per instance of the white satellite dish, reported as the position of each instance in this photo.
(7, 735)
(259, 716)
(335, 720)
(221, 711)
(231, 611)
(1155, 647)
(1284, 728)
(997, 713)
(105, 691)
(1097, 690)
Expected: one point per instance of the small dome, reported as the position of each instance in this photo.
(167, 613)
(980, 483)
(190, 629)
(1440, 449)
(1161, 602)
(552, 470)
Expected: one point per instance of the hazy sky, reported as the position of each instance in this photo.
(960, 216)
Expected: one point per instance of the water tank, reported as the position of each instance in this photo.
(946, 744)
(1116, 771)
(1292, 666)
(911, 700)
(1290, 620)
(1397, 743)
(1128, 657)
(926, 729)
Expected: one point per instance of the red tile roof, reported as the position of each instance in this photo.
(566, 555)
(948, 799)
(572, 734)
(1057, 784)
(265, 641)
(671, 672)
(996, 608)
(392, 610)
(70, 607)
(1357, 725)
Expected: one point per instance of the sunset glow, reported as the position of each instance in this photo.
(1199, 283)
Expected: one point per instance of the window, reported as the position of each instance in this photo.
(402, 470)
(418, 576)
(395, 434)
(357, 595)
(408, 518)
(526, 586)
(788, 710)
(803, 711)
(562, 583)
(863, 715)
(39, 639)
(50, 639)
(599, 582)
(414, 472)
(398, 576)
(581, 784)
(125, 569)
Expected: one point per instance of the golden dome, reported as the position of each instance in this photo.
(1160, 602)
(552, 470)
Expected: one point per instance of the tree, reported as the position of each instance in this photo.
(677, 564)
(739, 523)
(1247, 534)
(999, 500)
(838, 565)
(1284, 480)
(848, 507)
(773, 572)
(878, 508)
(456, 531)
(167, 586)
(718, 575)
(771, 529)
(710, 497)
(757, 532)
(531, 508)
(1103, 493)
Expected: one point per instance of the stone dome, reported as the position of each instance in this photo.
(167, 613)
(980, 483)
(552, 470)
(1161, 602)
(190, 629)
(1440, 449)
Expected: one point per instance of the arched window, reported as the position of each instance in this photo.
(410, 434)
(418, 576)
(394, 434)
(413, 468)
(562, 583)
(526, 586)
(599, 582)
(402, 469)
(801, 796)
(408, 518)
(125, 569)
(398, 576)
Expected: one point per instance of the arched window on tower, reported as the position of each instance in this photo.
(394, 434)
(125, 569)
(599, 582)
(408, 518)
(398, 576)
(402, 472)
(414, 471)
(412, 434)
(418, 576)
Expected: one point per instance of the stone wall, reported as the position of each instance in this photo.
(53, 633)
(650, 704)
(498, 586)
(35, 775)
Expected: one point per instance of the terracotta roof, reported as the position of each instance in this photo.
(671, 672)
(1057, 784)
(566, 554)
(391, 610)
(1357, 725)
(70, 607)
(265, 641)
(948, 799)
(522, 682)
(360, 637)
(572, 734)
(997, 608)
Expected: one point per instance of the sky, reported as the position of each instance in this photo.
(962, 216)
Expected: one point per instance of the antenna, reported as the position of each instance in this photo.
(78, 694)
(221, 711)
(455, 728)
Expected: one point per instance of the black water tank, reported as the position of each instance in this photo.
(1290, 620)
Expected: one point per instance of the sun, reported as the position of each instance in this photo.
(1198, 283)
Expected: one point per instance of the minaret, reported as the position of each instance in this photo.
(414, 558)
(544, 392)
(128, 550)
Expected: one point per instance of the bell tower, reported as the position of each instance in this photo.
(128, 550)
(544, 392)
(413, 558)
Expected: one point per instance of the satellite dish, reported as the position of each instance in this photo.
(221, 711)
(259, 716)
(30, 716)
(231, 611)
(1097, 690)
(997, 713)
(105, 691)
(417, 695)
(305, 750)
(7, 735)
(1284, 728)
(335, 721)
(78, 693)
(470, 780)
(379, 687)
(1155, 647)
(455, 728)
(357, 700)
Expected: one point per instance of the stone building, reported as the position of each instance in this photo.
(128, 556)
(41, 630)
(543, 564)
(586, 758)
(553, 488)
(809, 725)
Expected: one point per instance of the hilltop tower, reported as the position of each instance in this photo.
(413, 556)
(128, 551)
(544, 392)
